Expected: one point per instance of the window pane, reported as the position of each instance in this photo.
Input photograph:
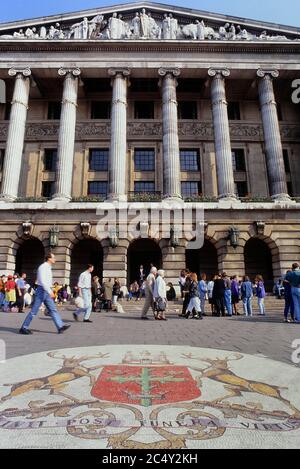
(234, 111)
(54, 109)
(286, 161)
(190, 188)
(97, 188)
(187, 110)
(98, 159)
(189, 160)
(241, 189)
(100, 110)
(50, 158)
(7, 111)
(144, 159)
(144, 186)
(290, 188)
(2, 151)
(47, 189)
(144, 110)
(238, 159)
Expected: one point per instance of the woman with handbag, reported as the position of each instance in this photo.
(160, 296)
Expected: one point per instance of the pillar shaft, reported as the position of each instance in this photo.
(171, 158)
(66, 140)
(273, 144)
(16, 135)
(222, 134)
(118, 146)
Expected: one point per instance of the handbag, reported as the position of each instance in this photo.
(160, 305)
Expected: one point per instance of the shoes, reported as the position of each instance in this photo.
(25, 331)
(87, 320)
(64, 328)
(75, 317)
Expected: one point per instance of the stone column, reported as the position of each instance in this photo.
(171, 159)
(118, 145)
(273, 145)
(66, 140)
(16, 134)
(222, 134)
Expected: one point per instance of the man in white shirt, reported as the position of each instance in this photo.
(149, 302)
(44, 294)
(85, 291)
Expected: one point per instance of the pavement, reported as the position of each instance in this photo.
(123, 383)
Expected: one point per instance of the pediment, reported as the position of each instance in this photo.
(145, 21)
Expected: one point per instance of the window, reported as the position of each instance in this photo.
(286, 161)
(144, 110)
(241, 188)
(279, 112)
(238, 160)
(144, 159)
(190, 188)
(50, 158)
(187, 110)
(98, 159)
(234, 113)
(7, 111)
(144, 186)
(97, 188)
(2, 151)
(189, 160)
(100, 110)
(54, 109)
(47, 189)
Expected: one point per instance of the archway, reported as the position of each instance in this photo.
(258, 261)
(204, 260)
(29, 256)
(86, 251)
(142, 252)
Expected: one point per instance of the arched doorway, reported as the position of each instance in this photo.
(204, 260)
(258, 261)
(86, 251)
(29, 256)
(142, 252)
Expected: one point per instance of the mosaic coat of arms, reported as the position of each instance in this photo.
(151, 397)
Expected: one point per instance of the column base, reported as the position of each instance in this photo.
(116, 198)
(281, 198)
(7, 198)
(228, 198)
(61, 198)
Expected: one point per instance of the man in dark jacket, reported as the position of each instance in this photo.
(218, 296)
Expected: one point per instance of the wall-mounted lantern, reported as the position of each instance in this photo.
(53, 236)
(113, 237)
(174, 238)
(233, 237)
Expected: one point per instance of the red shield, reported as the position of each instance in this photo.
(146, 385)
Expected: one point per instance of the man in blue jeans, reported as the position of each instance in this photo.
(44, 294)
(85, 291)
(294, 279)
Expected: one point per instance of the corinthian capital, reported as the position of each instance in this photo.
(26, 72)
(163, 71)
(264, 73)
(119, 71)
(76, 72)
(219, 72)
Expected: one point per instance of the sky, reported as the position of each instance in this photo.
(275, 11)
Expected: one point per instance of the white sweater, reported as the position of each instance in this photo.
(160, 289)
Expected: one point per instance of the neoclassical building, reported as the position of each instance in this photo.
(144, 103)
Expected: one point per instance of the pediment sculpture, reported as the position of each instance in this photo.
(141, 25)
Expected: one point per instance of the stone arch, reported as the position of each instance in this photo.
(203, 260)
(142, 251)
(262, 256)
(29, 254)
(82, 252)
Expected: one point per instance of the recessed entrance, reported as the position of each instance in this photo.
(142, 252)
(204, 260)
(86, 251)
(258, 261)
(29, 257)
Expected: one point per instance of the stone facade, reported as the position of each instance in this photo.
(233, 93)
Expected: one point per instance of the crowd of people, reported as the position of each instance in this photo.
(223, 294)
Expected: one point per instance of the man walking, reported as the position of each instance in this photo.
(149, 300)
(294, 279)
(85, 291)
(44, 294)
